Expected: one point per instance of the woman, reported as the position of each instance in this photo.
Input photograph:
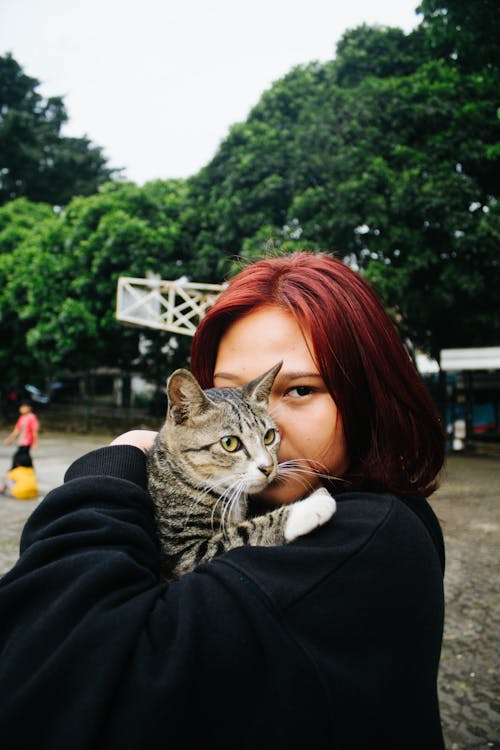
(332, 641)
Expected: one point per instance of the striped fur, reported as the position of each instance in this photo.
(215, 449)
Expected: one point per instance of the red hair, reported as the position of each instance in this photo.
(394, 438)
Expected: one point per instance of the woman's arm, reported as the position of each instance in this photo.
(142, 439)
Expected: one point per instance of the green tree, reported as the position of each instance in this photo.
(36, 161)
(390, 158)
(403, 186)
(378, 51)
(63, 304)
(465, 33)
(20, 220)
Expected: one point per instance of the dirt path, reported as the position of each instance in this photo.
(469, 508)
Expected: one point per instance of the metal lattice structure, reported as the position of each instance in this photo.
(175, 306)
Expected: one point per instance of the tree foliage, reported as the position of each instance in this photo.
(60, 281)
(462, 32)
(36, 161)
(389, 155)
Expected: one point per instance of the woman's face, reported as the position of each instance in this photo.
(312, 436)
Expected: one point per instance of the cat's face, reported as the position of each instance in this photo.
(223, 438)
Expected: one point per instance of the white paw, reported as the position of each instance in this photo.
(309, 513)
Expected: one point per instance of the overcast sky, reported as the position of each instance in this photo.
(158, 83)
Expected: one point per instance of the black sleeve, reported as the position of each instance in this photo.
(96, 650)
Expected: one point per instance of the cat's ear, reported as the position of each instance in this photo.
(184, 396)
(260, 388)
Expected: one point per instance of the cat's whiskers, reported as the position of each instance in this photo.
(297, 474)
(330, 477)
(294, 468)
(221, 501)
(225, 499)
(234, 494)
(312, 465)
(204, 491)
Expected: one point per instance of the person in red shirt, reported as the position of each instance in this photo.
(26, 429)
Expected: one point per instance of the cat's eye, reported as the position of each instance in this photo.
(230, 443)
(270, 437)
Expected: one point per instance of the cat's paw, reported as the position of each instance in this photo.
(309, 513)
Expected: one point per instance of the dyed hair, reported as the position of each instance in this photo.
(393, 434)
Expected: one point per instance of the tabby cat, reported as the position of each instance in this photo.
(217, 447)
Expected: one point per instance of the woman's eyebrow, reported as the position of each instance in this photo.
(287, 375)
(299, 374)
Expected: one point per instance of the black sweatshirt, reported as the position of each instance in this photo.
(332, 641)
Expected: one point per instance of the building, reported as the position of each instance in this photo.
(472, 395)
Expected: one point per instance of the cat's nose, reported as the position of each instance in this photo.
(266, 469)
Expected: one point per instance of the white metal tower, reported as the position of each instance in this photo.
(175, 306)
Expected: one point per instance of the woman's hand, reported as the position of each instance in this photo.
(142, 439)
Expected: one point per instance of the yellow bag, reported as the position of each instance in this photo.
(22, 484)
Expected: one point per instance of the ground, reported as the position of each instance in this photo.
(468, 508)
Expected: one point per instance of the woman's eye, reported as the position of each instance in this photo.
(270, 437)
(230, 443)
(300, 390)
